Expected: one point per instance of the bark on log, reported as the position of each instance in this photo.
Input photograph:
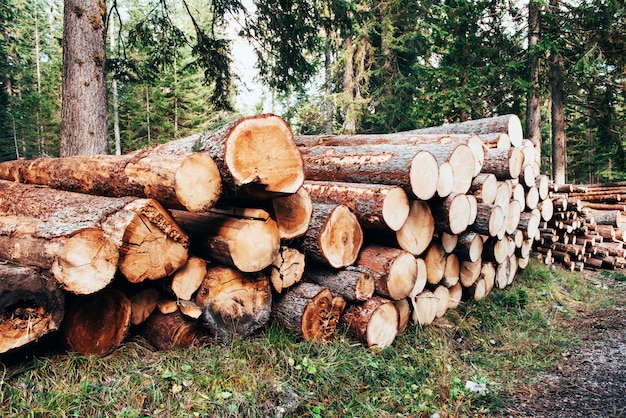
(310, 311)
(249, 244)
(32, 305)
(234, 302)
(256, 156)
(170, 331)
(496, 140)
(404, 314)
(187, 181)
(409, 167)
(375, 322)
(508, 124)
(97, 323)
(504, 164)
(376, 206)
(81, 260)
(334, 237)
(613, 217)
(394, 270)
(287, 268)
(418, 229)
(354, 284)
(151, 245)
(529, 223)
(422, 278)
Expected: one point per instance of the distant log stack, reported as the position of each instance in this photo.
(586, 230)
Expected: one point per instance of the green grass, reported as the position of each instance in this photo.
(503, 341)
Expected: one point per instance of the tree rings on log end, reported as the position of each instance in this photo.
(341, 241)
(198, 183)
(424, 175)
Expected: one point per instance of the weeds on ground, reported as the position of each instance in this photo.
(497, 343)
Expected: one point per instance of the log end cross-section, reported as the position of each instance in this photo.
(261, 154)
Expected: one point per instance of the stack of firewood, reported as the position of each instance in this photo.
(586, 231)
(228, 230)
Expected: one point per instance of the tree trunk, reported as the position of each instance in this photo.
(533, 103)
(248, 244)
(559, 162)
(256, 156)
(310, 311)
(410, 167)
(84, 104)
(374, 322)
(31, 306)
(394, 270)
(376, 206)
(98, 323)
(509, 124)
(489, 220)
(187, 181)
(352, 283)
(233, 302)
(334, 237)
(504, 164)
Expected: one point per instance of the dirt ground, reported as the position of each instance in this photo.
(589, 382)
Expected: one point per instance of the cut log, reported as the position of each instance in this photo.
(233, 302)
(424, 308)
(287, 268)
(451, 214)
(532, 198)
(435, 260)
(513, 213)
(613, 217)
(473, 211)
(451, 272)
(249, 244)
(527, 175)
(504, 164)
(98, 323)
(394, 270)
(442, 295)
(529, 223)
(292, 214)
(489, 220)
(418, 229)
(496, 140)
(503, 195)
(409, 166)
(460, 157)
(310, 311)
(256, 156)
(334, 237)
(404, 314)
(186, 181)
(470, 246)
(81, 260)
(543, 186)
(474, 142)
(142, 304)
(354, 284)
(456, 295)
(188, 278)
(170, 331)
(376, 206)
(150, 243)
(547, 209)
(375, 322)
(189, 309)
(470, 271)
(484, 187)
(31, 306)
(449, 241)
(508, 124)
(422, 278)
(445, 183)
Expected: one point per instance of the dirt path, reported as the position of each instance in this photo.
(590, 382)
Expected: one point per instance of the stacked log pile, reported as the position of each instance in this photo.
(229, 230)
(586, 231)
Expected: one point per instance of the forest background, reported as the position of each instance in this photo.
(333, 66)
